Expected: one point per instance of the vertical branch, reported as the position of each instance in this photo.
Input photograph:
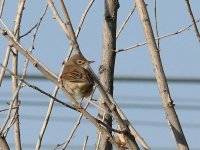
(107, 67)
(1, 8)
(85, 143)
(193, 19)
(5, 63)
(18, 18)
(156, 20)
(108, 63)
(160, 77)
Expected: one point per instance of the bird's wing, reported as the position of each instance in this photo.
(76, 74)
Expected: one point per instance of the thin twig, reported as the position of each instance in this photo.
(125, 22)
(156, 20)
(37, 28)
(12, 122)
(7, 118)
(85, 143)
(28, 32)
(99, 136)
(6, 109)
(96, 105)
(5, 63)
(193, 19)
(158, 38)
(1, 8)
(6, 59)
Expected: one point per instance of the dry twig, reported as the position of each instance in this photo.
(85, 143)
(168, 105)
(156, 20)
(193, 19)
(1, 8)
(158, 38)
(125, 22)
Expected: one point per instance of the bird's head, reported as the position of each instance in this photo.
(79, 60)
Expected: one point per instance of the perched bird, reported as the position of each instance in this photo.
(76, 78)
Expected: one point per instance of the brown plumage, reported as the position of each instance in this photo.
(76, 78)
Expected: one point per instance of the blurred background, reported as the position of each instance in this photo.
(138, 97)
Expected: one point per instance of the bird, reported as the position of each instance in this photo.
(76, 77)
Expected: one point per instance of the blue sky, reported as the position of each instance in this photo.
(180, 58)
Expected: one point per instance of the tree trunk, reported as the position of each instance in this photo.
(106, 70)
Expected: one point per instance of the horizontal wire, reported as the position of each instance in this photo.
(191, 107)
(128, 79)
(73, 119)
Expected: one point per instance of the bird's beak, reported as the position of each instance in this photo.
(89, 62)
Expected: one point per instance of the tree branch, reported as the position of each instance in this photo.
(160, 77)
(158, 38)
(193, 19)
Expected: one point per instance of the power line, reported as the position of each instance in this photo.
(190, 107)
(70, 119)
(128, 79)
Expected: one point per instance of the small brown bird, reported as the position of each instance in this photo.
(76, 78)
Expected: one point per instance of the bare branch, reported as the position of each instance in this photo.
(37, 28)
(7, 109)
(168, 105)
(28, 32)
(193, 19)
(7, 118)
(156, 20)
(5, 63)
(125, 22)
(1, 8)
(158, 38)
(85, 143)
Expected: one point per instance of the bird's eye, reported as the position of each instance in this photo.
(80, 62)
